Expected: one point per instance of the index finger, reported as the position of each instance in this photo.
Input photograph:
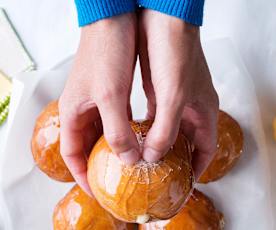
(72, 151)
(201, 129)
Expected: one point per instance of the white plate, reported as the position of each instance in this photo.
(243, 195)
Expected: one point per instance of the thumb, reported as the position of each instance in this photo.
(117, 130)
(163, 132)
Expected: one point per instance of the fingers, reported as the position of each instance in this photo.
(205, 146)
(201, 128)
(175, 75)
(163, 106)
(163, 132)
(72, 151)
(91, 133)
(205, 142)
(117, 130)
(75, 133)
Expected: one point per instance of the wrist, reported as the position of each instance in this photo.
(172, 28)
(122, 27)
(125, 20)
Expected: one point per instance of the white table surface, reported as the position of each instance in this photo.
(50, 33)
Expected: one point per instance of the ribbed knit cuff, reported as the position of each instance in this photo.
(190, 11)
(90, 11)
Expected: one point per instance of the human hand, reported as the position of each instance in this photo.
(98, 89)
(178, 87)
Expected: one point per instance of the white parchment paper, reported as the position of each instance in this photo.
(28, 197)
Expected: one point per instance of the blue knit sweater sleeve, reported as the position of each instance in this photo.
(90, 11)
(190, 11)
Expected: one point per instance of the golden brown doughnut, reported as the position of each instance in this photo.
(144, 191)
(229, 148)
(78, 211)
(198, 214)
(46, 146)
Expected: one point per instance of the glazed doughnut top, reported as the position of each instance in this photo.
(144, 191)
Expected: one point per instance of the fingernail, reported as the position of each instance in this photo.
(130, 157)
(151, 155)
